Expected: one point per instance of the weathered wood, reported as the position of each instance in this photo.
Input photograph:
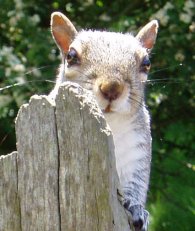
(88, 180)
(64, 176)
(38, 165)
(9, 201)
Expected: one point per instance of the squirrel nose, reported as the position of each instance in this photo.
(111, 90)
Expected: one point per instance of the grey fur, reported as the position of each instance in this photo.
(109, 61)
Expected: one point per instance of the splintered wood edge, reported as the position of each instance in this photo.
(86, 99)
(46, 100)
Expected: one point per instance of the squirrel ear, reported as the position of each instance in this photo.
(147, 35)
(62, 30)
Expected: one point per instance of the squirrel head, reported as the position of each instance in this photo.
(114, 66)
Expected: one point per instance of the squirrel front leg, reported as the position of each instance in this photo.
(133, 196)
(139, 217)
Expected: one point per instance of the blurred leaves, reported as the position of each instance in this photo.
(29, 57)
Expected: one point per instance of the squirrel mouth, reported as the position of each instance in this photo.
(108, 108)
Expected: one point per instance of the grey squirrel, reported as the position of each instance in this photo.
(114, 66)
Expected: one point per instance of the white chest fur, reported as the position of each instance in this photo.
(127, 140)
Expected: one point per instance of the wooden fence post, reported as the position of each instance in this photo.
(9, 201)
(64, 175)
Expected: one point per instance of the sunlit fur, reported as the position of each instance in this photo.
(105, 57)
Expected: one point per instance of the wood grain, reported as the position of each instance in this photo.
(63, 176)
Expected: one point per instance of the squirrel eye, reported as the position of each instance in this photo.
(72, 57)
(145, 65)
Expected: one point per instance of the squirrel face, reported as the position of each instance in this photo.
(114, 66)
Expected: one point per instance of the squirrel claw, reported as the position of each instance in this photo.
(121, 196)
(139, 217)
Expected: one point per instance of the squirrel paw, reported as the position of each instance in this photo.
(139, 217)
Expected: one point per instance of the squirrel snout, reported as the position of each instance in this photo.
(111, 90)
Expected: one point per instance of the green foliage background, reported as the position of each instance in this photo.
(29, 58)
